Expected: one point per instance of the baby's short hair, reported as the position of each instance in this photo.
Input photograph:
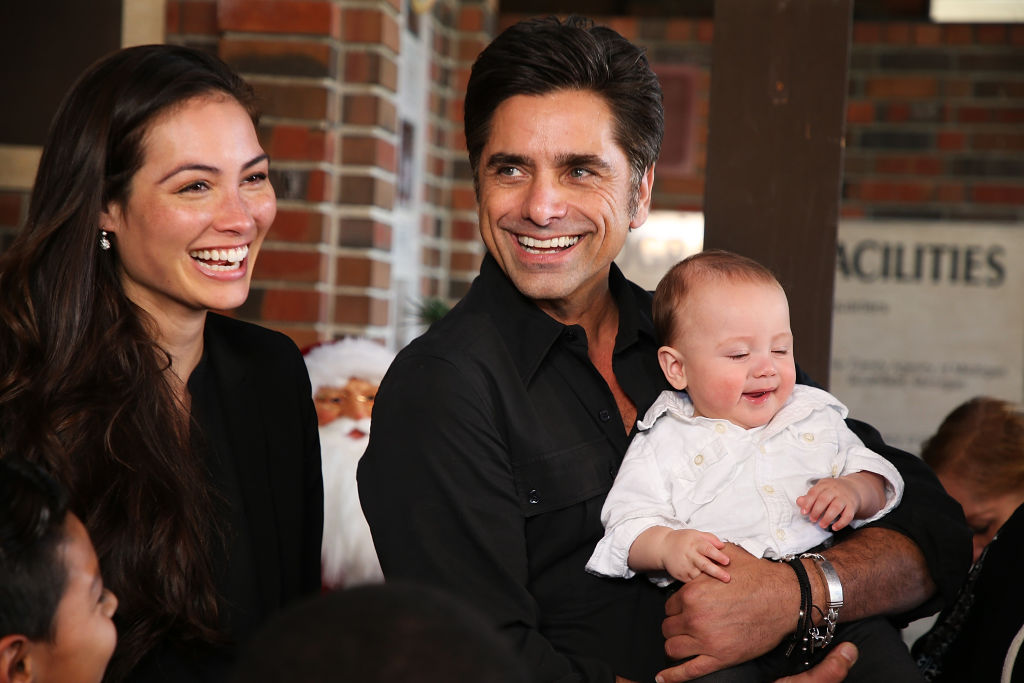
(704, 266)
(33, 509)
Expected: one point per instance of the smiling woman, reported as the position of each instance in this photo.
(149, 209)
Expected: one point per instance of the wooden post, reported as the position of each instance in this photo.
(774, 171)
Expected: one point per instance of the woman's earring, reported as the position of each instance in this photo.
(104, 241)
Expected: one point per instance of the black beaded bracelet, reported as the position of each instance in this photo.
(804, 623)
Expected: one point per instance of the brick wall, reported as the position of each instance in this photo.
(935, 122)
(935, 130)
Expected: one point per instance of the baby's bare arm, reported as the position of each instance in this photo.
(839, 501)
(683, 553)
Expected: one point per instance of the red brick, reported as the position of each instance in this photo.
(292, 266)
(897, 32)
(290, 58)
(958, 87)
(898, 112)
(991, 34)
(880, 191)
(679, 30)
(294, 101)
(948, 192)
(867, 32)
(292, 305)
(1009, 115)
(429, 287)
(998, 194)
(299, 143)
(927, 34)
(466, 261)
(357, 190)
(973, 114)
(463, 199)
(1017, 35)
(901, 86)
(959, 34)
(705, 31)
(319, 186)
(172, 17)
(686, 185)
(860, 112)
(279, 16)
(997, 141)
(909, 165)
(199, 17)
(369, 110)
(950, 140)
(298, 226)
(368, 151)
(471, 19)
(360, 271)
(852, 211)
(624, 26)
(464, 231)
(370, 26)
(360, 310)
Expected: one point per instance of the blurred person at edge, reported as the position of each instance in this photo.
(978, 454)
(186, 440)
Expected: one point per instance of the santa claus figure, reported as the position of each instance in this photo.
(345, 375)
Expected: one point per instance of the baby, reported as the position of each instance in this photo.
(739, 453)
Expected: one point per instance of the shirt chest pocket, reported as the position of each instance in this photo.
(702, 473)
(814, 450)
(561, 478)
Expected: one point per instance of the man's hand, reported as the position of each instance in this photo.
(832, 669)
(722, 624)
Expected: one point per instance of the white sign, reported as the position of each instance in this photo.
(927, 315)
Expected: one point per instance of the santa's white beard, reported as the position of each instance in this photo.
(347, 550)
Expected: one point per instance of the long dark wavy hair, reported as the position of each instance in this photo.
(84, 386)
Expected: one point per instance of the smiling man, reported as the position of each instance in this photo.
(498, 433)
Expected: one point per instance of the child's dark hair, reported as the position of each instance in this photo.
(33, 509)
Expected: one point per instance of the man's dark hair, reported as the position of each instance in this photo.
(546, 55)
(380, 633)
(32, 573)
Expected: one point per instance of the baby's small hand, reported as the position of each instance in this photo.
(687, 553)
(830, 501)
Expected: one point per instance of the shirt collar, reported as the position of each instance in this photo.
(529, 332)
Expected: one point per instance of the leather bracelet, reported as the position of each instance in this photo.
(802, 636)
(830, 616)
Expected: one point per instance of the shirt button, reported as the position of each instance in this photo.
(570, 334)
(762, 448)
(533, 497)
(808, 437)
(835, 470)
(720, 428)
(699, 460)
(604, 415)
(780, 534)
(768, 488)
